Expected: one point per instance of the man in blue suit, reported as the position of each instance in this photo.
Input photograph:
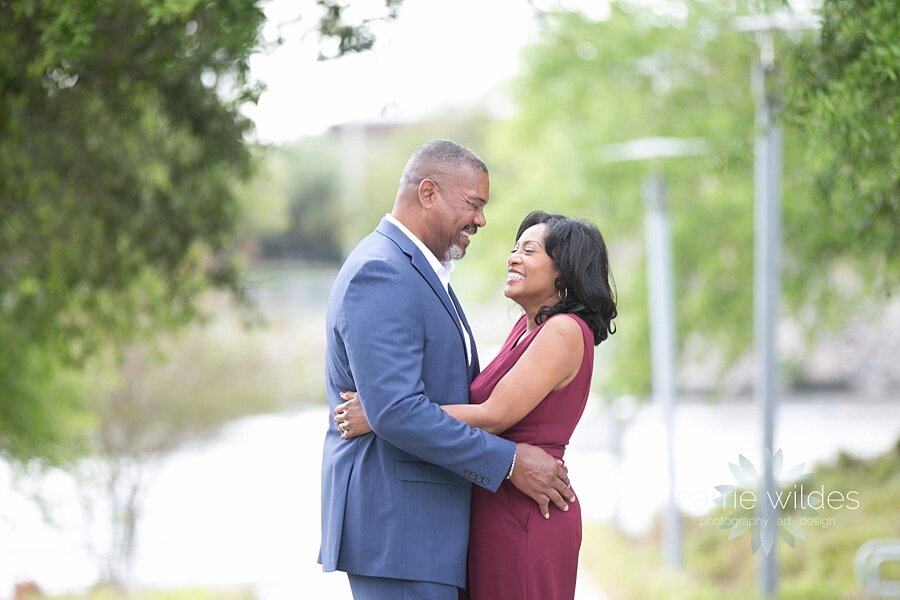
(395, 503)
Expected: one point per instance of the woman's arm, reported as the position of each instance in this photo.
(550, 362)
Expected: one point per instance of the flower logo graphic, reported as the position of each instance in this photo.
(743, 499)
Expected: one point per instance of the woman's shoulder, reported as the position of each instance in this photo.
(573, 323)
(570, 329)
(563, 339)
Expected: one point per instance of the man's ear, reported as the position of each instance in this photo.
(427, 193)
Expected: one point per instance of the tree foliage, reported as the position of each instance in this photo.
(591, 84)
(346, 35)
(651, 71)
(845, 97)
(290, 207)
(121, 139)
(119, 135)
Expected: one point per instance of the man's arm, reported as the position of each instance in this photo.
(542, 480)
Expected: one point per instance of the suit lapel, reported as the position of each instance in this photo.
(422, 266)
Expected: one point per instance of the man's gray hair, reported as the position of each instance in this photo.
(439, 156)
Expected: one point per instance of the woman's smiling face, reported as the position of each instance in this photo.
(531, 273)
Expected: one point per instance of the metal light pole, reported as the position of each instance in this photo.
(657, 232)
(767, 166)
(662, 301)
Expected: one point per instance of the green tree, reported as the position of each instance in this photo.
(845, 98)
(291, 205)
(120, 141)
(343, 36)
(637, 74)
(654, 71)
(119, 135)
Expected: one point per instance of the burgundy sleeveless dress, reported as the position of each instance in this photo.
(514, 553)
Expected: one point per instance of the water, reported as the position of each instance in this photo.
(243, 510)
(632, 490)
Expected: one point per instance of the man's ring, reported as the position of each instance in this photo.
(341, 428)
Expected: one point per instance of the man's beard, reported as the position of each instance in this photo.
(454, 252)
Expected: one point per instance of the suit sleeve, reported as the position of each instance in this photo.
(384, 334)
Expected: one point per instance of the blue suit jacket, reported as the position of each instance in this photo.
(395, 503)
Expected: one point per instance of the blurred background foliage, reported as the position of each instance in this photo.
(152, 399)
(646, 71)
(716, 567)
(120, 138)
(135, 209)
(289, 209)
(844, 96)
(129, 186)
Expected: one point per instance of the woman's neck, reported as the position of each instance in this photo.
(532, 310)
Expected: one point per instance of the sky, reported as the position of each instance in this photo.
(437, 54)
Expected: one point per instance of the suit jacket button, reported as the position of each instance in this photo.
(467, 473)
(485, 480)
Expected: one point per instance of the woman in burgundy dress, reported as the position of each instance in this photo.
(533, 392)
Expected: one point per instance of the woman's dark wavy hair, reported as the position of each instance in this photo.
(580, 256)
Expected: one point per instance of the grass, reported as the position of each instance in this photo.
(818, 568)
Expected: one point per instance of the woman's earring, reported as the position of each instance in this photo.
(562, 298)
